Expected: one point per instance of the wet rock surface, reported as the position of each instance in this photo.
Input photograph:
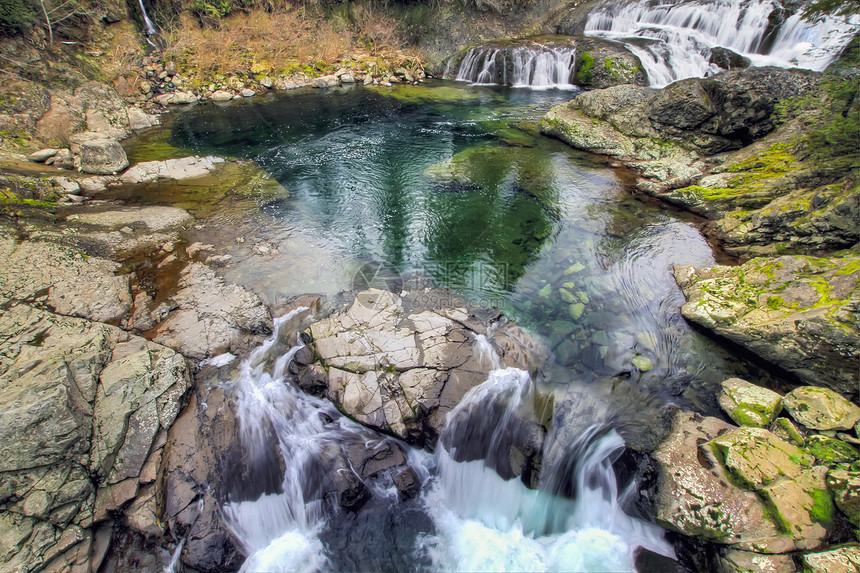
(397, 365)
(799, 313)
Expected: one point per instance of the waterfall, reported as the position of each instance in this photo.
(150, 27)
(481, 520)
(673, 39)
(536, 66)
(485, 523)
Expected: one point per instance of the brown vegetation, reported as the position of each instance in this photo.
(282, 43)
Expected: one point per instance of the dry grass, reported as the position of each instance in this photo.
(56, 128)
(257, 44)
(378, 29)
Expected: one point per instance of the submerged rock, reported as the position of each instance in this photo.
(396, 365)
(799, 313)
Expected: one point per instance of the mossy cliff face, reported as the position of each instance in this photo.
(797, 312)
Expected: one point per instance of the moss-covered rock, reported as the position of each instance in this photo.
(821, 409)
(696, 497)
(601, 64)
(755, 457)
(799, 313)
(830, 450)
(785, 429)
(802, 507)
(748, 404)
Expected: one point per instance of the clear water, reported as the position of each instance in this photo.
(511, 220)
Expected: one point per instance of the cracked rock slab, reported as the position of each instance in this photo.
(84, 408)
(400, 367)
(64, 279)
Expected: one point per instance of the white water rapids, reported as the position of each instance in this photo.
(480, 522)
(673, 39)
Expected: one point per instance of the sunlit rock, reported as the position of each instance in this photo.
(821, 409)
(748, 404)
(796, 312)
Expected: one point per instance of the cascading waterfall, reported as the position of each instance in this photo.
(480, 520)
(150, 27)
(674, 39)
(536, 66)
(486, 523)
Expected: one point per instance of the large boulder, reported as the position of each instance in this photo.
(797, 312)
(668, 136)
(757, 458)
(399, 366)
(85, 410)
(101, 156)
(696, 497)
(602, 63)
(745, 488)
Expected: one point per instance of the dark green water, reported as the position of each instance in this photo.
(452, 184)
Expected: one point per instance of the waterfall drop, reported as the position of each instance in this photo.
(674, 39)
(484, 522)
(150, 27)
(536, 66)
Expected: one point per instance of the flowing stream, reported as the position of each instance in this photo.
(451, 185)
(674, 39)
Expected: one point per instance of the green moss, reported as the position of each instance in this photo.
(830, 450)
(584, 71)
(9, 198)
(774, 302)
(850, 267)
(822, 506)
